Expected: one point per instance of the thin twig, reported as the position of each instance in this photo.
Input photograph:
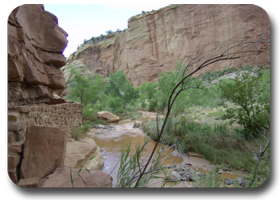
(261, 153)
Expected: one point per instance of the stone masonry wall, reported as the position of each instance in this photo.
(64, 116)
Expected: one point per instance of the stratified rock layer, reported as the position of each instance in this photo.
(155, 41)
(35, 47)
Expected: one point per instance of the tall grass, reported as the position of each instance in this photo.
(213, 141)
(79, 132)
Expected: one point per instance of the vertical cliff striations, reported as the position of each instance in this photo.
(155, 41)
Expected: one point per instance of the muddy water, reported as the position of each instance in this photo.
(111, 141)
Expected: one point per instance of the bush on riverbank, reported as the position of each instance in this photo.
(218, 143)
(79, 132)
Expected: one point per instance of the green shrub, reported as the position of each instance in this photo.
(86, 127)
(143, 104)
(152, 105)
(217, 114)
(213, 141)
(78, 133)
(249, 68)
(251, 109)
(89, 113)
(115, 104)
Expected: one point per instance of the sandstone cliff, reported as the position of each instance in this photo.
(155, 41)
(34, 39)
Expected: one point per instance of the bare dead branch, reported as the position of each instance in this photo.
(260, 155)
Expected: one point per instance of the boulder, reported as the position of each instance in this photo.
(176, 153)
(29, 182)
(109, 117)
(78, 152)
(192, 178)
(61, 178)
(239, 180)
(173, 177)
(44, 151)
(100, 126)
(136, 124)
(228, 181)
(188, 177)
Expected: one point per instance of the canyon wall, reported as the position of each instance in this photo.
(39, 121)
(155, 41)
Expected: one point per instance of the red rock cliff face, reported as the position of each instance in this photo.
(35, 46)
(155, 41)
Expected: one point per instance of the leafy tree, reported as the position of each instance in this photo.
(149, 95)
(86, 89)
(78, 86)
(169, 80)
(115, 104)
(120, 87)
(252, 106)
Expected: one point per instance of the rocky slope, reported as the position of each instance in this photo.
(155, 41)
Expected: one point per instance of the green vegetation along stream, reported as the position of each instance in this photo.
(224, 115)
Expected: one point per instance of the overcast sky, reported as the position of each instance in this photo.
(83, 21)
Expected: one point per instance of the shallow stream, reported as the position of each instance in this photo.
(113, 139)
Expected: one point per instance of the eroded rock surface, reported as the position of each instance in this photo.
(44, 151)
(61, 179)
(78, 152)
(155, 41)
(108, 117)
(35, 47)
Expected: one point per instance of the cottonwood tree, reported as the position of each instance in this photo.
(87, 89)
(120, 87)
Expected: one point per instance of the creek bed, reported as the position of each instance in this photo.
(113, 138)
